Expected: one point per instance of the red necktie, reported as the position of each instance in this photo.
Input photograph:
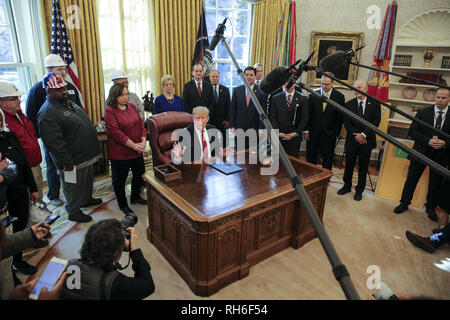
(199, 88)
(204, 145)
(247, 98)
(289, 101)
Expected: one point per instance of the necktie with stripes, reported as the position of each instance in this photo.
(199, 89)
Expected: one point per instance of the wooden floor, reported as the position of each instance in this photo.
(365, 234)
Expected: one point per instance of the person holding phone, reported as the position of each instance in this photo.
(11, 244)
(100, 279)
(19, 241)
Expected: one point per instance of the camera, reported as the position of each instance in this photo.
(148, 102)
(128, 221)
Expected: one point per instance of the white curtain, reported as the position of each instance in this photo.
(127, 40)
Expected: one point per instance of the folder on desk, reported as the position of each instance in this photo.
(226, 168)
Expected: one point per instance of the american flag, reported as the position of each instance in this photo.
(61, 46)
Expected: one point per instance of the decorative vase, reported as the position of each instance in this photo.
(429, 55)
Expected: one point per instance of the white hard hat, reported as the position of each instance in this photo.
(54, 60)
(8, 89)
(118, 74)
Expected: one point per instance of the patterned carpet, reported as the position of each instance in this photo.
(338, 175)
(63, 226)
(102, 189)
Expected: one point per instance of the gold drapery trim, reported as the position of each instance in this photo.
(266, 24)
(176, 24)
(85, 44)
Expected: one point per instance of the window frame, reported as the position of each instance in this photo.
(26, 43)
(242, 62)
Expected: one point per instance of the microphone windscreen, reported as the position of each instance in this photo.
(215, 40)
(332, 61)
(275, 79)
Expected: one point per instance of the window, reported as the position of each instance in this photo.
(19, 44)
(238, 36)
(126, 40)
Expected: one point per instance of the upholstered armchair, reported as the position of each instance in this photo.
(161, 126)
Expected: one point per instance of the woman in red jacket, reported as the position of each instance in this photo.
(126, 142)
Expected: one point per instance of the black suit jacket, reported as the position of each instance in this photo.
(194, 149)
(192, 99)
(422, 135)
(328, 122)
(278, 91)
(11, 148)
(241, 115)
(372, 114)
(221, 108)
(288, 120)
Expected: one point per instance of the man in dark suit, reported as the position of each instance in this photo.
(259, 72)
(360, 140)
(289, 114)
(243, 113)
(197, 92)
(199, 141)
(325, 123)
(221, 110)
(433, 146)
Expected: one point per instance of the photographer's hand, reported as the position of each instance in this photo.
(4, 163)
(40, 232)
(22, 291)
(133, 239)
(55, 292)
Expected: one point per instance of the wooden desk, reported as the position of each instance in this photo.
(102, 165)
(213, 227)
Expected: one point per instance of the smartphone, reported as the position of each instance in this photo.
(6, 222)
(50, 220)
(49, 277)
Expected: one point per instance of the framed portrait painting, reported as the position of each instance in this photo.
(325, 43)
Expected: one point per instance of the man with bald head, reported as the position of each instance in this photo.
(360, 140)
(433, 146)
(221, 114)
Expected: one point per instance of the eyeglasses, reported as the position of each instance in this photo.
(11, 98)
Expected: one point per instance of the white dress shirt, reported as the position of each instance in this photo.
(436, 113)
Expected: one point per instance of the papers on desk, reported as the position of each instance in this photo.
(71, 176)
(226, 168)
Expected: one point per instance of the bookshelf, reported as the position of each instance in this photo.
(410, 47)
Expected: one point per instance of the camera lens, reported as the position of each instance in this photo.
(129, 221)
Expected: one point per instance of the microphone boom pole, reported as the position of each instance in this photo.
(393, 108)
(339, 270)
(417, 155)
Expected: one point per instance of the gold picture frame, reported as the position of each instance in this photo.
(323, 43)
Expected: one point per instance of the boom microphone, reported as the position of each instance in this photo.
(219, 33)
(332, 61)
(277, 78)
(338, 58)
(302, 68)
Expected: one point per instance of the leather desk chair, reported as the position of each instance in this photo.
(161, 127)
